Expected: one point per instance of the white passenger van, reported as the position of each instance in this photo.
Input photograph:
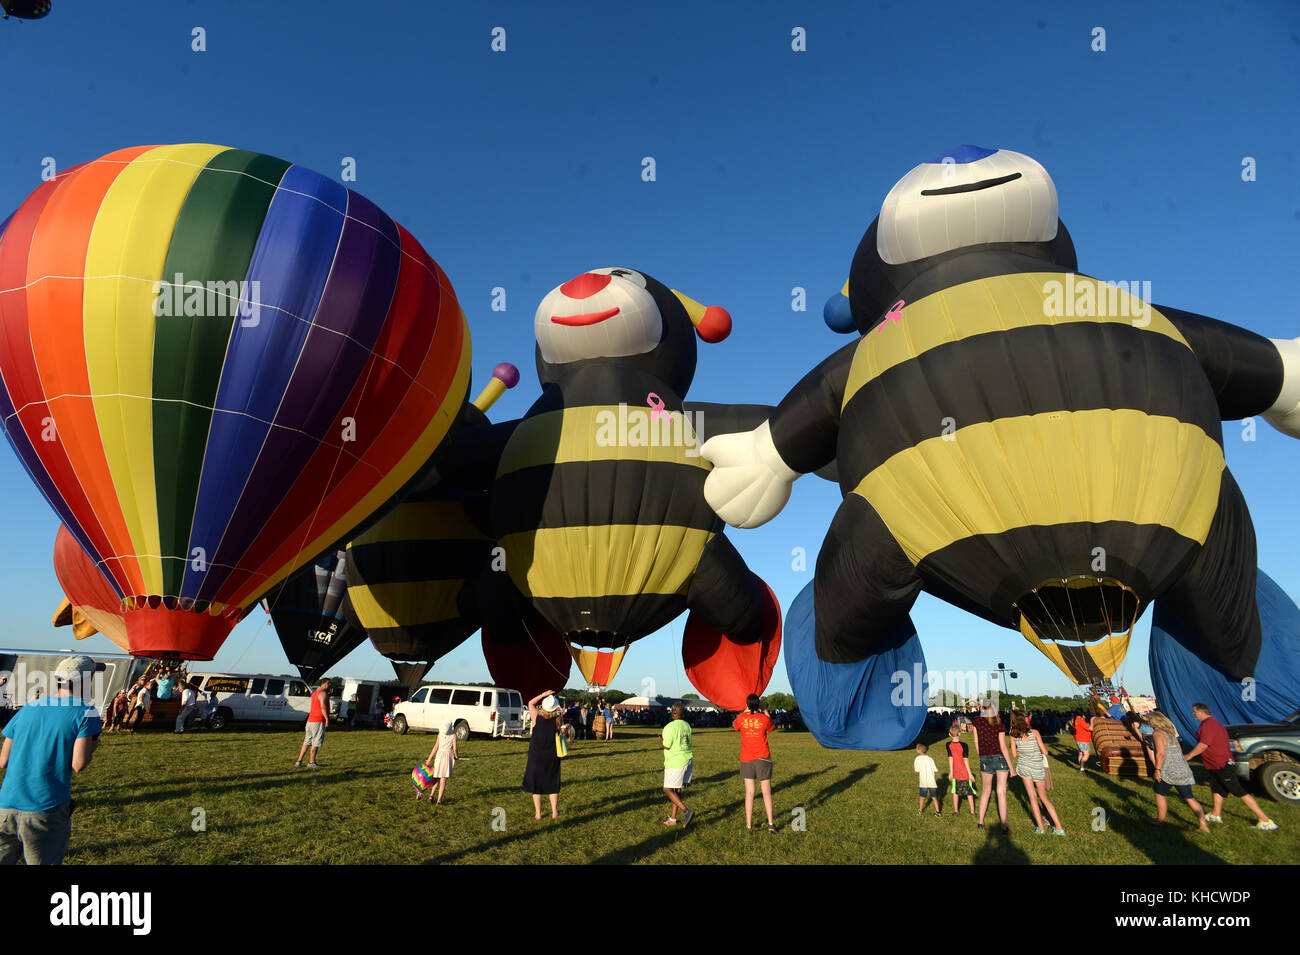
(253, 697)
(490, 710)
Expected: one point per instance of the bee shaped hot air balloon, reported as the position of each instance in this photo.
(598, 500)
(1028, 443)
(407, 574)
(215, 365)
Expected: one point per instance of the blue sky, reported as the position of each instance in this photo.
(521, 169)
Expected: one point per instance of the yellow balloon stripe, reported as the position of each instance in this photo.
(415, 605)
(605, 433)
(634, 559)
(423, 521)
(1106, 655)
(1054, 468)
(125, 258)
(998, 304)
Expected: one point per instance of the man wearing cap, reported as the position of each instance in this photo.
(44, 744)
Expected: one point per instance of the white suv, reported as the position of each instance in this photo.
(492, 711)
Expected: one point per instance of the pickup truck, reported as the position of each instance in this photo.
(1270, 754)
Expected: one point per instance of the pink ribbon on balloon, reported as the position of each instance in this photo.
(894, 314)
(656, 406)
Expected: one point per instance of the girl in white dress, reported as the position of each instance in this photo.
(442, 759)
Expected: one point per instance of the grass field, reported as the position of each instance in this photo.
(136, 805)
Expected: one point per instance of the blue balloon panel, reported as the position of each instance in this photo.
(1181, 679)
(878, 703)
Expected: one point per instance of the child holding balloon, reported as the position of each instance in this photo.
(442, 760)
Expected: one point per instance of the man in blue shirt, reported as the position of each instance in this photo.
(44, 744)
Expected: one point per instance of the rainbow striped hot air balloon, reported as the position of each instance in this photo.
(215, 365)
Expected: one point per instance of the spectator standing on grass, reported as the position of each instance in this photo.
(189, 703)
(991, 744)
(679, 760)
(1032, 768)
(609, 721)
(1212, 747)
(316, 721)
(1171, 769)
(442, 759)
(542, 772)
(755, 757)
(1082, 739)
(925, 768)
(44, 744)
(959, 773)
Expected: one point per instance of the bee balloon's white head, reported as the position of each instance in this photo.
(967, 196)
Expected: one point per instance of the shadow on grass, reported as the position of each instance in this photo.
(998, 849)
(236, 784)
(611, 808)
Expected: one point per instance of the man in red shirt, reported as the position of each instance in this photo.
(1212, 747)
(1083, 739)
(316, 721)
(755, 757)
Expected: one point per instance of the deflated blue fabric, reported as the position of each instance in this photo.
(878, 703)
(1181, 679)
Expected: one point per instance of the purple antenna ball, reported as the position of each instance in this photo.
(507, 373)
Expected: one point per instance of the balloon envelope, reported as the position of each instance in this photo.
(313, 618)
(88, 593)
(216, 364)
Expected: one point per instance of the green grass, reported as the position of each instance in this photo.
(135, 806)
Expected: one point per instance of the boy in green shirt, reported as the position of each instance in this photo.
(678, 760)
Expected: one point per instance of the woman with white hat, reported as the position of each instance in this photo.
(542, 774)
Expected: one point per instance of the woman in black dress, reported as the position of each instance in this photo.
(542, 774)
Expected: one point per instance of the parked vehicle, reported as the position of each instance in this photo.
(364, 702)
(491, 711)
(1269, 753)
(28, 671)
(253, 697)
